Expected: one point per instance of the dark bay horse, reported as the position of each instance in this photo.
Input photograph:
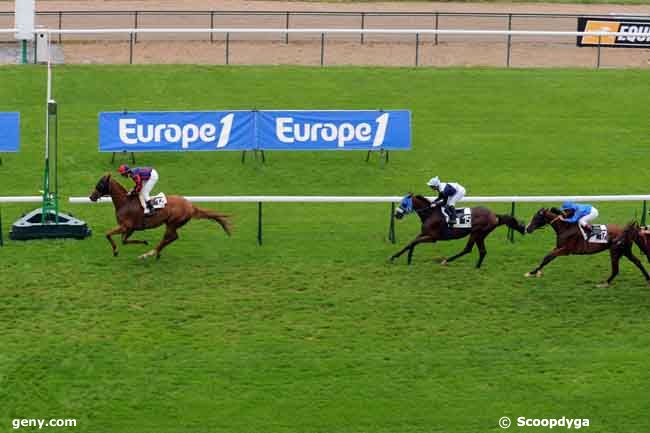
(434, 227)
(130, 215)
(569, 240)
(633, 233)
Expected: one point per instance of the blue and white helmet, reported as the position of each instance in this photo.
(434, 182)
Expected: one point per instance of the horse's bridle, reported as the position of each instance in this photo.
(555, 219)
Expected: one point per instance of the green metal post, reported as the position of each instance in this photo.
(511, 232)
(24, 52)
(50, 178)
(391, 229)
(1, 240)
(259, 223)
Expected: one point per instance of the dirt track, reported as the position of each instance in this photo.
(306, 49)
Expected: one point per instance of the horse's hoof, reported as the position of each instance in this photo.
(146, 242)
(603, 285)
(539, 274)
(148, 254)
(143, 257)
(115, 253)
(528, 275)
(444, 262)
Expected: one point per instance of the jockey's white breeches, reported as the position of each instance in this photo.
(585, 219)
(147, 187)
(460, 193)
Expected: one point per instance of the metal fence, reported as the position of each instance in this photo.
(299, 20)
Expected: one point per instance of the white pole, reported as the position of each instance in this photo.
(48, 98)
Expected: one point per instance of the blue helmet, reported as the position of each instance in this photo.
(568, 204)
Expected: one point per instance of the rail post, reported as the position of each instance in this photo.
(417, 50)
(363, 25)
(509, 44)
(211, 26)
(598, 53)
(135, 26)
(286, 26)
(60, 25)
(1, 240)
(511, 232)
(391, 226)
(131, 48)
(644, 212)
(259, 223)
(435, 26)
(227, 48)
(322, 49)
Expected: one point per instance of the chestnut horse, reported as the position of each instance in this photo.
(569, 240)
(434, 227)
(130, 215)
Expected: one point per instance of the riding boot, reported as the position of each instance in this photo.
(587, 230)
(452, 214)
(150, 210)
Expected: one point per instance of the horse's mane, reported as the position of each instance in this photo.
(555, 210)
(423, 198)
(111, 180)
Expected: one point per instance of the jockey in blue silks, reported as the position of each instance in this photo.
(448, 194)
(580, 213)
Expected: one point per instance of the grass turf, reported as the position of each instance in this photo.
(314, 332)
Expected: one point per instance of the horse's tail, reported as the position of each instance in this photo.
(511, 222)
(222, 219)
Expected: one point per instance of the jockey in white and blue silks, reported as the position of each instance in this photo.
(449, 193)
(582, 214)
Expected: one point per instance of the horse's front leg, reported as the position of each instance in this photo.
(110, 233)
(409, 247)
(549, 257)
(410, 256)
(125, 238)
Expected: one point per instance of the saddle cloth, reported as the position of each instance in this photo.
(598, 234)
(463, 218)
(158, 201)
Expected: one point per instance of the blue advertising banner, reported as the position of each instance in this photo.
(9, 132)
(334, 130)
(248, 130)
(173, 131)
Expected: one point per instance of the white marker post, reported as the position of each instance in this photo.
(25, 11)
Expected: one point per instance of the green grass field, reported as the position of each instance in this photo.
(314, 331)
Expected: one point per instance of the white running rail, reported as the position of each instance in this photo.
(336, 31)
(350, 31)
(22, 199)
(389, 199)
